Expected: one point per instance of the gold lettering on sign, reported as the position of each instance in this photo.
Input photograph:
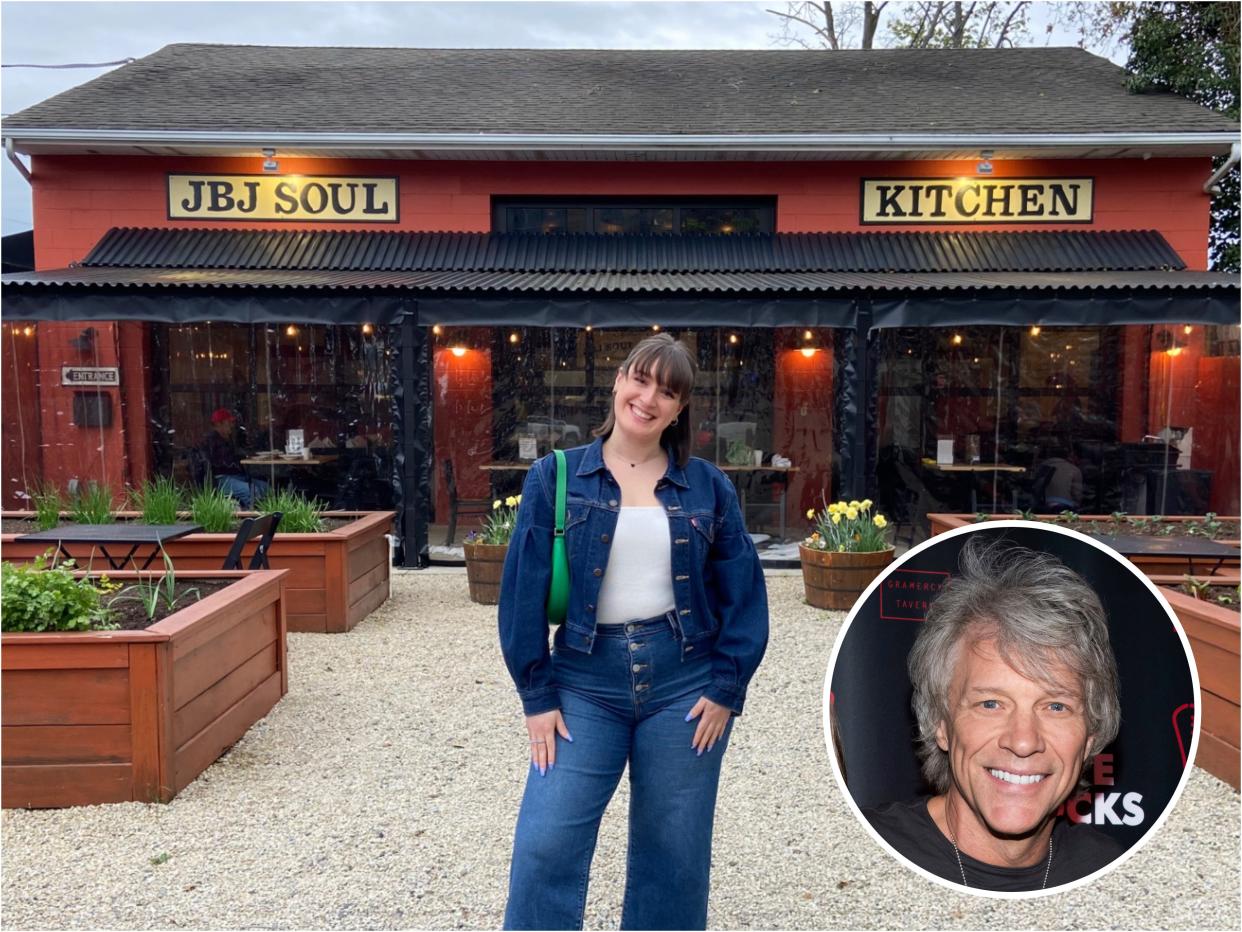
(930, 201)
(322, 198)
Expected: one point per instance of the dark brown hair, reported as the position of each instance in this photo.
(675, 368)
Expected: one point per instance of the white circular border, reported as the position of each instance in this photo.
(1121, 858)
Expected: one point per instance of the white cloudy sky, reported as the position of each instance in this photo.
(43, 33)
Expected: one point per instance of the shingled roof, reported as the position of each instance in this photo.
(190, 87)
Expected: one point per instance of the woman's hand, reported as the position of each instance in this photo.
(543, 729)
(712, 721)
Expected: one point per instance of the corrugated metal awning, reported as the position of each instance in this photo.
(378, 251)
(605, 282)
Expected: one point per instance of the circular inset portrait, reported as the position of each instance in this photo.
(1010, 708)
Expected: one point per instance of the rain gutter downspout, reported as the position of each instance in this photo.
(8, 150)
(1212, 185)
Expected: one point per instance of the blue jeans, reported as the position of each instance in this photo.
(242, 488)
(625, 701)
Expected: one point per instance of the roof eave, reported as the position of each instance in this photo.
(68, 140)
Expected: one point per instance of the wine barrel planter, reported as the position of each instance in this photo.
(835, 580)
(1150, 565)
(116, 716)
(485, 565)
(336, 578)
(1213, 632)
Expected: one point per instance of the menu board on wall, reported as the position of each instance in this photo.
(317, 198)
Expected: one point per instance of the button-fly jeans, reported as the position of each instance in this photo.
(626, 701)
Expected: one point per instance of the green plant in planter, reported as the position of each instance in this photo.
(37, 596)
(215, 510)
(498, 527)
(159, 500)
(149, 593)
(1198, 588)
(299, 514)
(93, 504)
(48, 502)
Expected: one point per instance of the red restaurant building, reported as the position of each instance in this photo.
(429, 263)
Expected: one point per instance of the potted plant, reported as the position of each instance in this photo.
(125, 688)
(486, 549)
(847, 549)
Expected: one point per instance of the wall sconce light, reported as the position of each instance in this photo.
(1035, 331)
(291, 330)
(985, 166)
(437, 329)
(655, 327)
(269, 161)
(513, 338)
(733, 339)
(84, 341)
(1169, 344)
(1188, 330)
(589, 328)
(957, 339)
(809, 344)
(28, 331)
(368, 329)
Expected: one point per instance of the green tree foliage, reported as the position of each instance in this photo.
(1191, 49)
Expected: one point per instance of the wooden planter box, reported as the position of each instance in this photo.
(1213, 632)
(336, 578)
(1151, 565)
(113, 716)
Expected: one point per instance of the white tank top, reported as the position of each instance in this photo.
(639, 580)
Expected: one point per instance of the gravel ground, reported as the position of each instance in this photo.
(381, 793)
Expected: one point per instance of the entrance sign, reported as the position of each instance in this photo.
(321, 198)
(977, 200)
(90, 375)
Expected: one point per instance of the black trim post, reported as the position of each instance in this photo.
(415, 441)
(851, 406)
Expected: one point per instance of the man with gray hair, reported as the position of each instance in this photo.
(1015, 692)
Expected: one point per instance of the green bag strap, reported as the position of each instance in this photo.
(558, 591)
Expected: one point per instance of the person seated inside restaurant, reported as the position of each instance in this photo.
(225, 464)
(1015, 693)
(1059, 479)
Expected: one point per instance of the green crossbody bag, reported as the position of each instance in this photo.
(558, 592)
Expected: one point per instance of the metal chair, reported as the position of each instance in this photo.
(477, 506)
(264, 528)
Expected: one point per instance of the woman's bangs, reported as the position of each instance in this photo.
(670, 365)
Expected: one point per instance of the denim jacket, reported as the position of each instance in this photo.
(718, 585)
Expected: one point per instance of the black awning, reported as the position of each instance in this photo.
(367, 251)
(774, 280)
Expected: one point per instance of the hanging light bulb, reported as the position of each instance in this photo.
(957, 339)
(291, 331)
(437, 329)
(513, 338)
(367, 330)
(1035, 331)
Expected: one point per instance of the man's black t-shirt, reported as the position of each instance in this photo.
(1077, 850)
(221, 456)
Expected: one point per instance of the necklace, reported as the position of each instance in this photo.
(649, 459)
(962, 868)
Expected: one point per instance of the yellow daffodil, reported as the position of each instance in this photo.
(496, 505)
(852, 512)
(855, 503)
(866, 504)
(880, 521)
(511, 501)
(815, 536)
(836, 517)
(810, 513)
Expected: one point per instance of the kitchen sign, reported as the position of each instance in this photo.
(90, 375)
(319, 198)
(932, 201)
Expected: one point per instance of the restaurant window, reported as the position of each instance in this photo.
(634, 215)
(1094, 420)
(327, 389)
(505, 396)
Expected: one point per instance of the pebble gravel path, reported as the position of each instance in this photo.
(382, 791)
